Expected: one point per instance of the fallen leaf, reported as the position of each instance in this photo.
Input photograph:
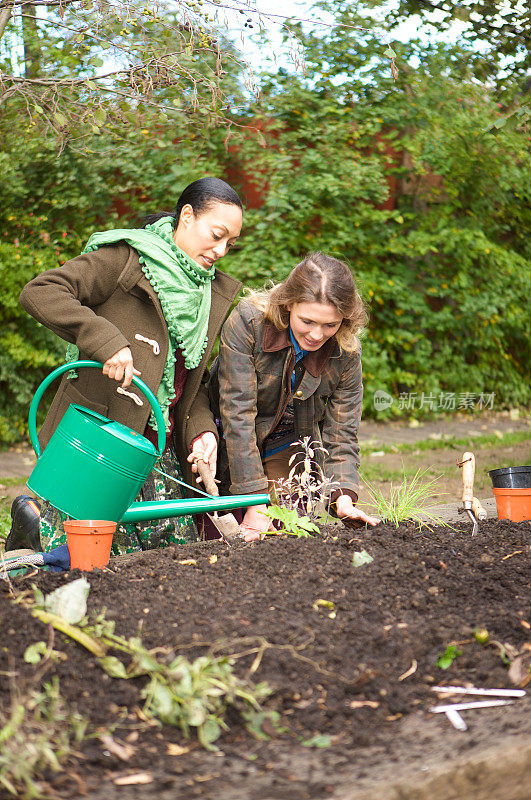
(525, 624)
(320, 740)
(320, 603)
(360, 558)
(518, 671)
(410, 671)
(393, 717)
(212, 559)
(176, 749)
(363, 703)
(134, 779)
(122, 751)
(304, 703)
(187, 562)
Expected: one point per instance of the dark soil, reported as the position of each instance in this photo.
(423, 590)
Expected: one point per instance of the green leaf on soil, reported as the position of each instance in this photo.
(320, 740)
(360, 558)
(34, 653)
(38, 596)
(209, 732)
(113, 667)
(263, 724)
(69, 601)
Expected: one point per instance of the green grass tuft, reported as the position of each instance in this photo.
(408, 501)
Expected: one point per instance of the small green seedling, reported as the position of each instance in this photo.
(447, 658)
(292, 523)
(481, 635)
(306, 487)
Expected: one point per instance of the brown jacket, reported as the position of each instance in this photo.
(102, 301)
(252, 378)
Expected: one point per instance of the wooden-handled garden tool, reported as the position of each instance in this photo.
(227, 524)
(471, 504)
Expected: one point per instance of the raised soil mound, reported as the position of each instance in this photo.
(336, 675)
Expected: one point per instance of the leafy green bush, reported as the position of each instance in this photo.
(28, 351)
(404, 180)
(70, 197)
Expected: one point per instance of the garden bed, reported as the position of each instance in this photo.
(334, 666)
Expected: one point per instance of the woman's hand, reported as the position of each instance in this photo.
(205, 447)
(346, 510)
(255, 524)
(120, 365)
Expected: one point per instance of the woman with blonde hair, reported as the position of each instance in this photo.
(289, 366)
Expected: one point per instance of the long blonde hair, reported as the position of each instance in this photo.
(317, 279)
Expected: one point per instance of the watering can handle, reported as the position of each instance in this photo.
(144, 388)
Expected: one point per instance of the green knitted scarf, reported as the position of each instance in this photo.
(183, 288)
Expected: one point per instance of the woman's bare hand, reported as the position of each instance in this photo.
(205, 447)
(346, 510)
(120, 365)
(255, 524)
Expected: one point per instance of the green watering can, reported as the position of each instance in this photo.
(93, 468)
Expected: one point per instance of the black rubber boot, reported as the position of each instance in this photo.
(24, 531)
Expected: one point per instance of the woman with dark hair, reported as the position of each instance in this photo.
(289, 367)
(146, 302)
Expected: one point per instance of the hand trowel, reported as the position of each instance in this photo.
(227, 524)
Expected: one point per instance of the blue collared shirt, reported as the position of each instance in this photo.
(299, 353)
(284, 432)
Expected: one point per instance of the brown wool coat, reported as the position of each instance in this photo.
(252, 379)
(102, 302)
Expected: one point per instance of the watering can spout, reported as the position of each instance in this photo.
(137, 512)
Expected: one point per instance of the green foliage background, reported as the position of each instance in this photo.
(445, 270)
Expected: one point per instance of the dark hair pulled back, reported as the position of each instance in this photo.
(200, 194)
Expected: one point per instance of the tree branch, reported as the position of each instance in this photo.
(5, 16)
(40, 3)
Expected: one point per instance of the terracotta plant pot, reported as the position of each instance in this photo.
(89, 542)
(513, 504)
